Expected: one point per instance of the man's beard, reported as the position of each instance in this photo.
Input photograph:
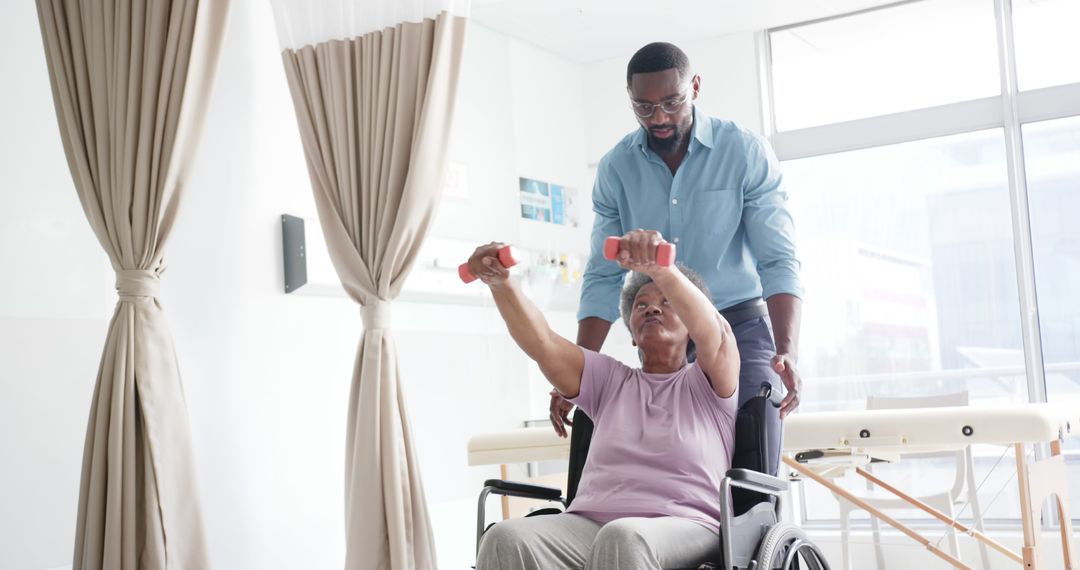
(669, 144)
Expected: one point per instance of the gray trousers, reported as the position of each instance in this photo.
(565, 541)
(756, 349)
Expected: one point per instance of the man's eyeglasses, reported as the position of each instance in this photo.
(669, 107)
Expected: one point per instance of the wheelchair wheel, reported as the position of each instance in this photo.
(782, 548)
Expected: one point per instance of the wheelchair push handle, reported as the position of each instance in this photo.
(774, 397)
(509, 256)
(665, 252)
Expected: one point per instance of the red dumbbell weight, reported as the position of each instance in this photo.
(665, 252)
(509, 256)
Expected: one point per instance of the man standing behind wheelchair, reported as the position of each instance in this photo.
(715, 191)
(664, 432)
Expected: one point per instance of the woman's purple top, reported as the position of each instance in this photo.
(660, 445)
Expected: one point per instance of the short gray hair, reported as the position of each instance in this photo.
(636, 281)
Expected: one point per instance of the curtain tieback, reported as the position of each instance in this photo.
(376, 315)
(137, 284)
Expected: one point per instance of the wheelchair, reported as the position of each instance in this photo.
(752, 536)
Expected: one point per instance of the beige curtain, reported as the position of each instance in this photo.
(374, 115)
(130, 81)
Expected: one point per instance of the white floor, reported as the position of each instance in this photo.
(903, 553)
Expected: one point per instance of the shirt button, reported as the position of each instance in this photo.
(676, 240)
(674, 201)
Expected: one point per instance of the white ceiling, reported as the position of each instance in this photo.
(592, 30)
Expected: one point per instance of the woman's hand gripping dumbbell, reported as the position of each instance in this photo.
(490, 263)
(639, 250)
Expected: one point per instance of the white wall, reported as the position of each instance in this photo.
(267, 375)
(55, 302)
(730, 89)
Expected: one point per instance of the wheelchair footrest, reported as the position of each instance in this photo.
(527, 490)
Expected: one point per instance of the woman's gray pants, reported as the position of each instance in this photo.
(557, 542)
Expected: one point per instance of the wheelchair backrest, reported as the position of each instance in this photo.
(580, 437)
(751, 447)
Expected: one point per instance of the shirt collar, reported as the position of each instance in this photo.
(703, 133)
(702, 128)
(640, 140)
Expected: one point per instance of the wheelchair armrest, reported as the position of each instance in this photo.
(529, 491)
(510, 489)
(755, 481)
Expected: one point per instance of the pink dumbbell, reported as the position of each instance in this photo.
(665, 252)
(509, 256)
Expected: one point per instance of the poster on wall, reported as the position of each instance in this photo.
(456, 184)
(535, 200)
(549, 203)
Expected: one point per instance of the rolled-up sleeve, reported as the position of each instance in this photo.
(603, 279)
(770, 230)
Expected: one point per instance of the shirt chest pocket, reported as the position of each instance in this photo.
(715, 210)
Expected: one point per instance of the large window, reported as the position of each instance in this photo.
(910, 276)
(1047, 42)
(1052, 150)
(915, 55)
(909, 269)
(914, 271)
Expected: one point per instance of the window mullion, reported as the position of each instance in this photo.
(1020, 213)
(765, 84)
(1048, 103)
(883, 130)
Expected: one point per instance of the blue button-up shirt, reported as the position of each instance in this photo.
(725, 209)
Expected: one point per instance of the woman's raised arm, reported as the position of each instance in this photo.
(560, 360)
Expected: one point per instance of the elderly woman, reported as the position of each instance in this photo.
(649, 492)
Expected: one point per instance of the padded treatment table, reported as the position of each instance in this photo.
(516, 446)
(821, 446)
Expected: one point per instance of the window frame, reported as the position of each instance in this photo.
(1010, 111)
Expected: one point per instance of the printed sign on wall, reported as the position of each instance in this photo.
(549, 203)
(457, 181)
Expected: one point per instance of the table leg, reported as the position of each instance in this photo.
(1027, 516)
(1065, 516)
(977, 535)
(505, 500)
(804, 471)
